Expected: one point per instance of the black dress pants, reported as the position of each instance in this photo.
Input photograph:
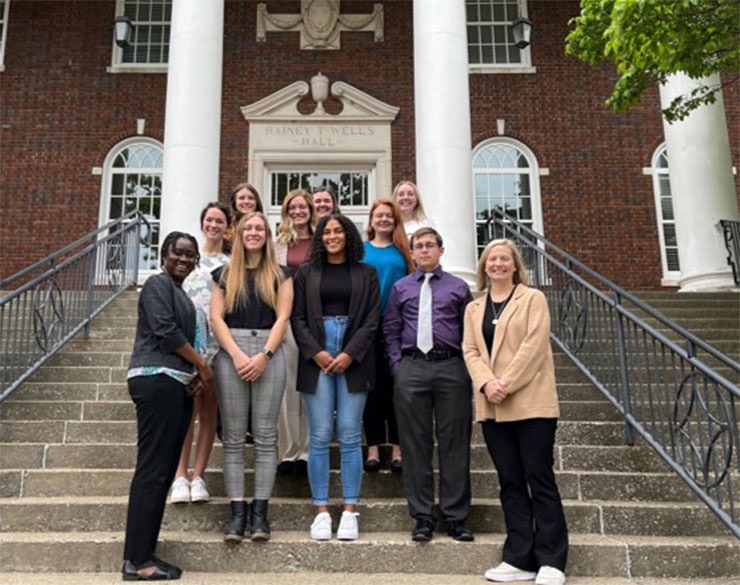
(163, 411)
(536, 532)
(434, 398)
(379, 409)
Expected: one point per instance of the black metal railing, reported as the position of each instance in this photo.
(731, 231)
(674, 390)
(44, 305)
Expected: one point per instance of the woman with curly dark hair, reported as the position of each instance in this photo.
(335, 317)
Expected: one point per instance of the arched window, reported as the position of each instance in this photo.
(132, 179)
(506, 178)
(665, 216)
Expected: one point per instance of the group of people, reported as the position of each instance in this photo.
(315, 333)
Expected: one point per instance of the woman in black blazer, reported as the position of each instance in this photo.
(335, 316)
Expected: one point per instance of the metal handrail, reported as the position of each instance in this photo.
(731, 231)
(55, 298)
(674, 390)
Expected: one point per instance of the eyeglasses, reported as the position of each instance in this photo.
(428, 246)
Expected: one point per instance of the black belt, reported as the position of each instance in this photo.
(433, 355)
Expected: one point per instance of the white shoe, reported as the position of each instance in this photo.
(549, 576)
(321, 526)
(180, 491)
(506, 573)
(198, 490)
(348, 528)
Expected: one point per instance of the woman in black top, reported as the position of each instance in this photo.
(164, 372)
(335, 316)
(250, 311)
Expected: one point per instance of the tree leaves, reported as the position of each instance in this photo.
(648, 40)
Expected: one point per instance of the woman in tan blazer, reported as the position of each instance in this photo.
(506, 345)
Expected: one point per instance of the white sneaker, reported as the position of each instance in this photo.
(321, 526)
(348, 528)
(180, 491)
(549, 576)
(198, 491)
(506, 573)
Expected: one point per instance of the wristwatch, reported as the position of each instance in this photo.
(268, 353)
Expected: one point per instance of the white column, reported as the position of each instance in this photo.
(192, 130)
(443, 140)
(702, 186)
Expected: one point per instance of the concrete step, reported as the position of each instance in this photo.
(123, 456)
(60, 431)
(86, 514)
(590, 555)
(573, 485)
(195, 577)
(596, 410)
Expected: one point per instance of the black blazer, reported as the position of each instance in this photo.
(308, 326)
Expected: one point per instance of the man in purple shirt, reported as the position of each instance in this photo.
(431, 387)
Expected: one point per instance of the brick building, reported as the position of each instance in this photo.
(428, 90)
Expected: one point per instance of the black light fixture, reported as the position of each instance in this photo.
(521, 30)
(122, 31)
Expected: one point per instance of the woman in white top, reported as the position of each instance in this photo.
(406, 197)
(215, 220)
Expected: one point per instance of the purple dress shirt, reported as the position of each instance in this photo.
(450, 296)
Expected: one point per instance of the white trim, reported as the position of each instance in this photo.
(105, 183)
(4, 35)
(670, 277)
(116, 61)
(501, 69)
(534, 172)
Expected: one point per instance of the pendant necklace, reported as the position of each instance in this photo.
(497, 314)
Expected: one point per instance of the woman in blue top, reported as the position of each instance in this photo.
(387, 249)
(164, 372)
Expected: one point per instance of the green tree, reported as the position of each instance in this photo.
(648, 40)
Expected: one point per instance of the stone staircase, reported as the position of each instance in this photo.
(67, 449)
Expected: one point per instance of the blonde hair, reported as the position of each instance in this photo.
(267, 273)
(419, 209)
(400, 239)
(520, 276)
(287, 233)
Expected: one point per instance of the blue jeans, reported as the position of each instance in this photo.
(332, 395)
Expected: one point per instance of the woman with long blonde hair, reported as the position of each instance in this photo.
(250, 311)
(387, 250)
(293, 248)
(406, 197)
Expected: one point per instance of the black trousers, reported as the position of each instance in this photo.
(536, 532)
(163, 411)
(379, 409)
(429, 397)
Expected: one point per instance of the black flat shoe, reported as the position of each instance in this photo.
(167, 566)
(129, 573)
(396, 466)
(371, 466)
(301, 468)
(286, 467)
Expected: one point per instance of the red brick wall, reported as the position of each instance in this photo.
(61, 112)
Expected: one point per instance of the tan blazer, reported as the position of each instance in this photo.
(522, 357)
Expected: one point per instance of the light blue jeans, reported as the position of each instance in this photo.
(332, 395)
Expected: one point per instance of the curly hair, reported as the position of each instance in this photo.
(170, 241)
(353, 241)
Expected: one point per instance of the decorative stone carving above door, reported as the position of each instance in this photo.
(320, 23)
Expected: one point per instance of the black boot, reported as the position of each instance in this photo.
(260, 527)
(238, 524)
